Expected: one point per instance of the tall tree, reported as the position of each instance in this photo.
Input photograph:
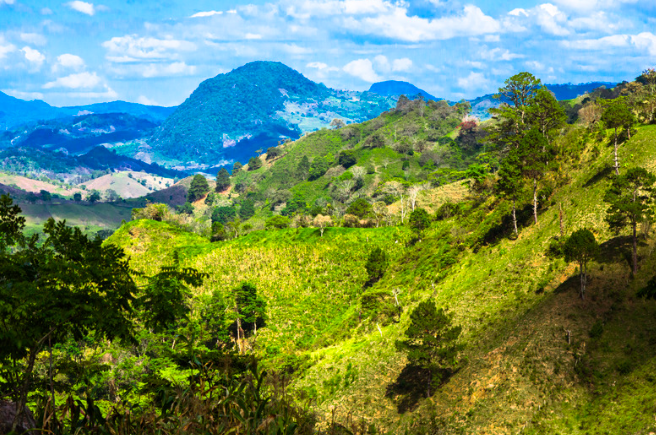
(534, 154)
(618, 115)
(222, 180)
(199, 187)
(510, 182)
(545, 113)
(377, 264)
(419, 221)
(431, 342)
(581, 247)
(630, 199)
(250, 309)
(303, 168)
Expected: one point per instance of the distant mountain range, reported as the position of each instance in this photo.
(15, 112)
(394, 88)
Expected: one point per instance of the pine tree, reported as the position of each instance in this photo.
(631, 197)
(431, 342)
(618, 115)
(199, 187)
(222, 180)
(376, 265)
(534, 153)
(510, 182)
(581, 247)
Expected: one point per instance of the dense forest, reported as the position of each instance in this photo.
(419, 273)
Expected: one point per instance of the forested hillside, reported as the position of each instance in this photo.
(418, 273)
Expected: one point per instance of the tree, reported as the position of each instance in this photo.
(303, 168)
(319, 166)
(534, 154)
(93, 196)
(45, 195)
(67, 286)
(360, 208)
(223, 215)
(247, 209)
(419, 220)
(254, 163)
(273, 152)
(337, 123)
(322, 222)
(377, 264)
(77, 197)
(347, 158)
(277, 222)
(219, 232)
(222, 180)
(630, 199)
(186, 208)
(510, 182)
(199, 187)
(545, 113)
(250, 309)
(236, 167)
(431, 342)
(581, 247)
(618, 115)
(112, 196)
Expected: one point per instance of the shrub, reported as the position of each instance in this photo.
(277, 222)
(347, 158)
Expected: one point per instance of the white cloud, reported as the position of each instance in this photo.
(46, 11)
(131, 48)
(24, 95)
(8, 2)
(492, 38)
(253, 36)
(305, 9)
(172, 69)
(33, 56)
(362, 69)
(645, 42)
(519, 12)
(5, 47)
(590, 5)
(401, 65)
(396, 24)
(317, 65)
(68, 61)
(296, 49)
(206, 14)
(33, 38)
(499, 54)
(551, 19)
(82, 80)
(146, 101)
(83, 7)
(473, 81)
(382, 63)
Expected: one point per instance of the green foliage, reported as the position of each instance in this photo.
(254, 163)
(77, 197)
(186, 208)
(360, 208)
(319, 167)
(250, 308)
(294, 205)
(236, 167)
(377, 264)
(419, 220)
(581, 247)
(303, 168)
(277, 222)
(273, 152)
(199, 187)
(223, 215)
(93, 196)
(347, 158)
(432, 342)
(222, 180)
(247, 209)
(219, 232)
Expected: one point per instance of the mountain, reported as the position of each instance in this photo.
(15, 112)
(253, 107)
(394, 88)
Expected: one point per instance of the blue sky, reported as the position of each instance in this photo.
(80, 52)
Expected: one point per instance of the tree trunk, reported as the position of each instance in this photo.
(535, 200)
(238, 336)
(635, 249)
(583, 278)
(430, 381)
(514, 215)
(617, 162)
(22, 400)
(321, 229)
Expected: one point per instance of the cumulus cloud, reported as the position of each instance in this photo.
(499, 54)
(590, 5)
(172, 69)
(147, 101)
(397, 65)
(253, 36)
(84, 80)
(83, 7)
(645, 42)
(321, 66)
(132, 48)
(33, 38)
(296, 49)
(206, 14)
(305, 9)
(5, 47)
(474, 81)
(397, 24)
(401, 65)
(68, 61)
(362, 69)
(33, 56)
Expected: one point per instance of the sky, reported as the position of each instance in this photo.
(158, 52)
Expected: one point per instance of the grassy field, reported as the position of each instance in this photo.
(537, 359)
(30, 185)
(128, 184)
(89, 217)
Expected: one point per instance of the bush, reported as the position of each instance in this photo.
(223, 215)
(247, 209)
(199, 187)
(254, 163)
(360, 208)
(273, 152)
(377, 264)
(347, 158)
(156, 212)
(277, 222)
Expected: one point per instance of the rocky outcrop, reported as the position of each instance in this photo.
(7, 415)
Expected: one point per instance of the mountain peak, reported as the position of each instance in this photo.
(396, 88)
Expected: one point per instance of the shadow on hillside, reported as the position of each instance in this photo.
(615, 250)
(504, 229)
(410, 387)
(603, 173)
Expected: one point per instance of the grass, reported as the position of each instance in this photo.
(537, 359)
